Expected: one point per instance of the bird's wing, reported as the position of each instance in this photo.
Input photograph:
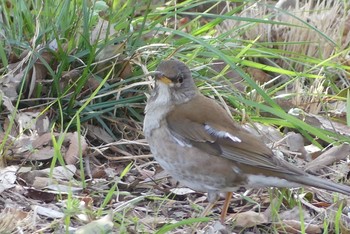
(209, 128)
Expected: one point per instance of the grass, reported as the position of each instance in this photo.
(84, 64)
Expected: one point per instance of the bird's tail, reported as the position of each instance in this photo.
(317, 182)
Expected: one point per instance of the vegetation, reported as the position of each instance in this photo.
(74, 79)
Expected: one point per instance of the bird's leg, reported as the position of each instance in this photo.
(212, 199)
(207, 209)
(225, 207)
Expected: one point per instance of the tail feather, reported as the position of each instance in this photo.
(317, 182)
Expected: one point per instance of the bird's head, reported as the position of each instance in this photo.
(175, 76)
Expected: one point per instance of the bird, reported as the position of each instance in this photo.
(199, 144)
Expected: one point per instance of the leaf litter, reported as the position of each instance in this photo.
(145, 193)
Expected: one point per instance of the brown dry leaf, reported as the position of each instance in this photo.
(99, 133)
(12, 220)
(112, 57)
(23, 148)
(250, 218)
(266, 133)
(295, 143)
(332, 125)
(28, 125)
(41, 182)
(29, 121)
(6, 101)
(10, 81)
(75, 148)
(258, 75)
(17, 72)
(321, 122)
(36, 147)
(295, 226)
(43, 140)
(69, 79)
(71, 75)
(102, 225)
(125, 70)
(221, 67)
(91, 84)
(101, 31)
(29, 177)
(330, 156)
(38, 72)
(62, 172)
(99, 172)
(40, 195)
(40, 179)
(41, 154)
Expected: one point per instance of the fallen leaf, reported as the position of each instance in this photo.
(102, 225)
(75, 148)
(258, 75)
(295, 143)
(295, 226)
(40, 154)
(99, 133)
(7, 177)
(12, 220)
(250, 218)
(330, 156)
(40, 195)
(48, 212)
(181, 191)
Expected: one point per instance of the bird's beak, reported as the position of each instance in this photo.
(165, 80)
(162, 78)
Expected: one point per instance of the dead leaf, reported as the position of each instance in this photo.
(62, 172)
(75, 148)
(101, 31)
(99, 133)
(332, 125)
(40, 179)
(32, 121)
(61, 188)
(43, 140)
(221, 67)
(10, 81)
(12, 220)
(102, 225)
(295, 142)
(258, 75)
(7, 177)
(40, 195)
(330, 156)
(44, 153)
(48, 212)
(295, 226)
(266, 133)
(250, 218)
(182, 191)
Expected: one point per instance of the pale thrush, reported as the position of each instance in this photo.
(194, 139)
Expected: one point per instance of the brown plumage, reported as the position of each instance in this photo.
(198, 143)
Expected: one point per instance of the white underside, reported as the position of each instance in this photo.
(260, 181)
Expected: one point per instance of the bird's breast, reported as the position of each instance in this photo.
(158, 106)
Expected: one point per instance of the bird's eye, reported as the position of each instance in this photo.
(180, 80)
